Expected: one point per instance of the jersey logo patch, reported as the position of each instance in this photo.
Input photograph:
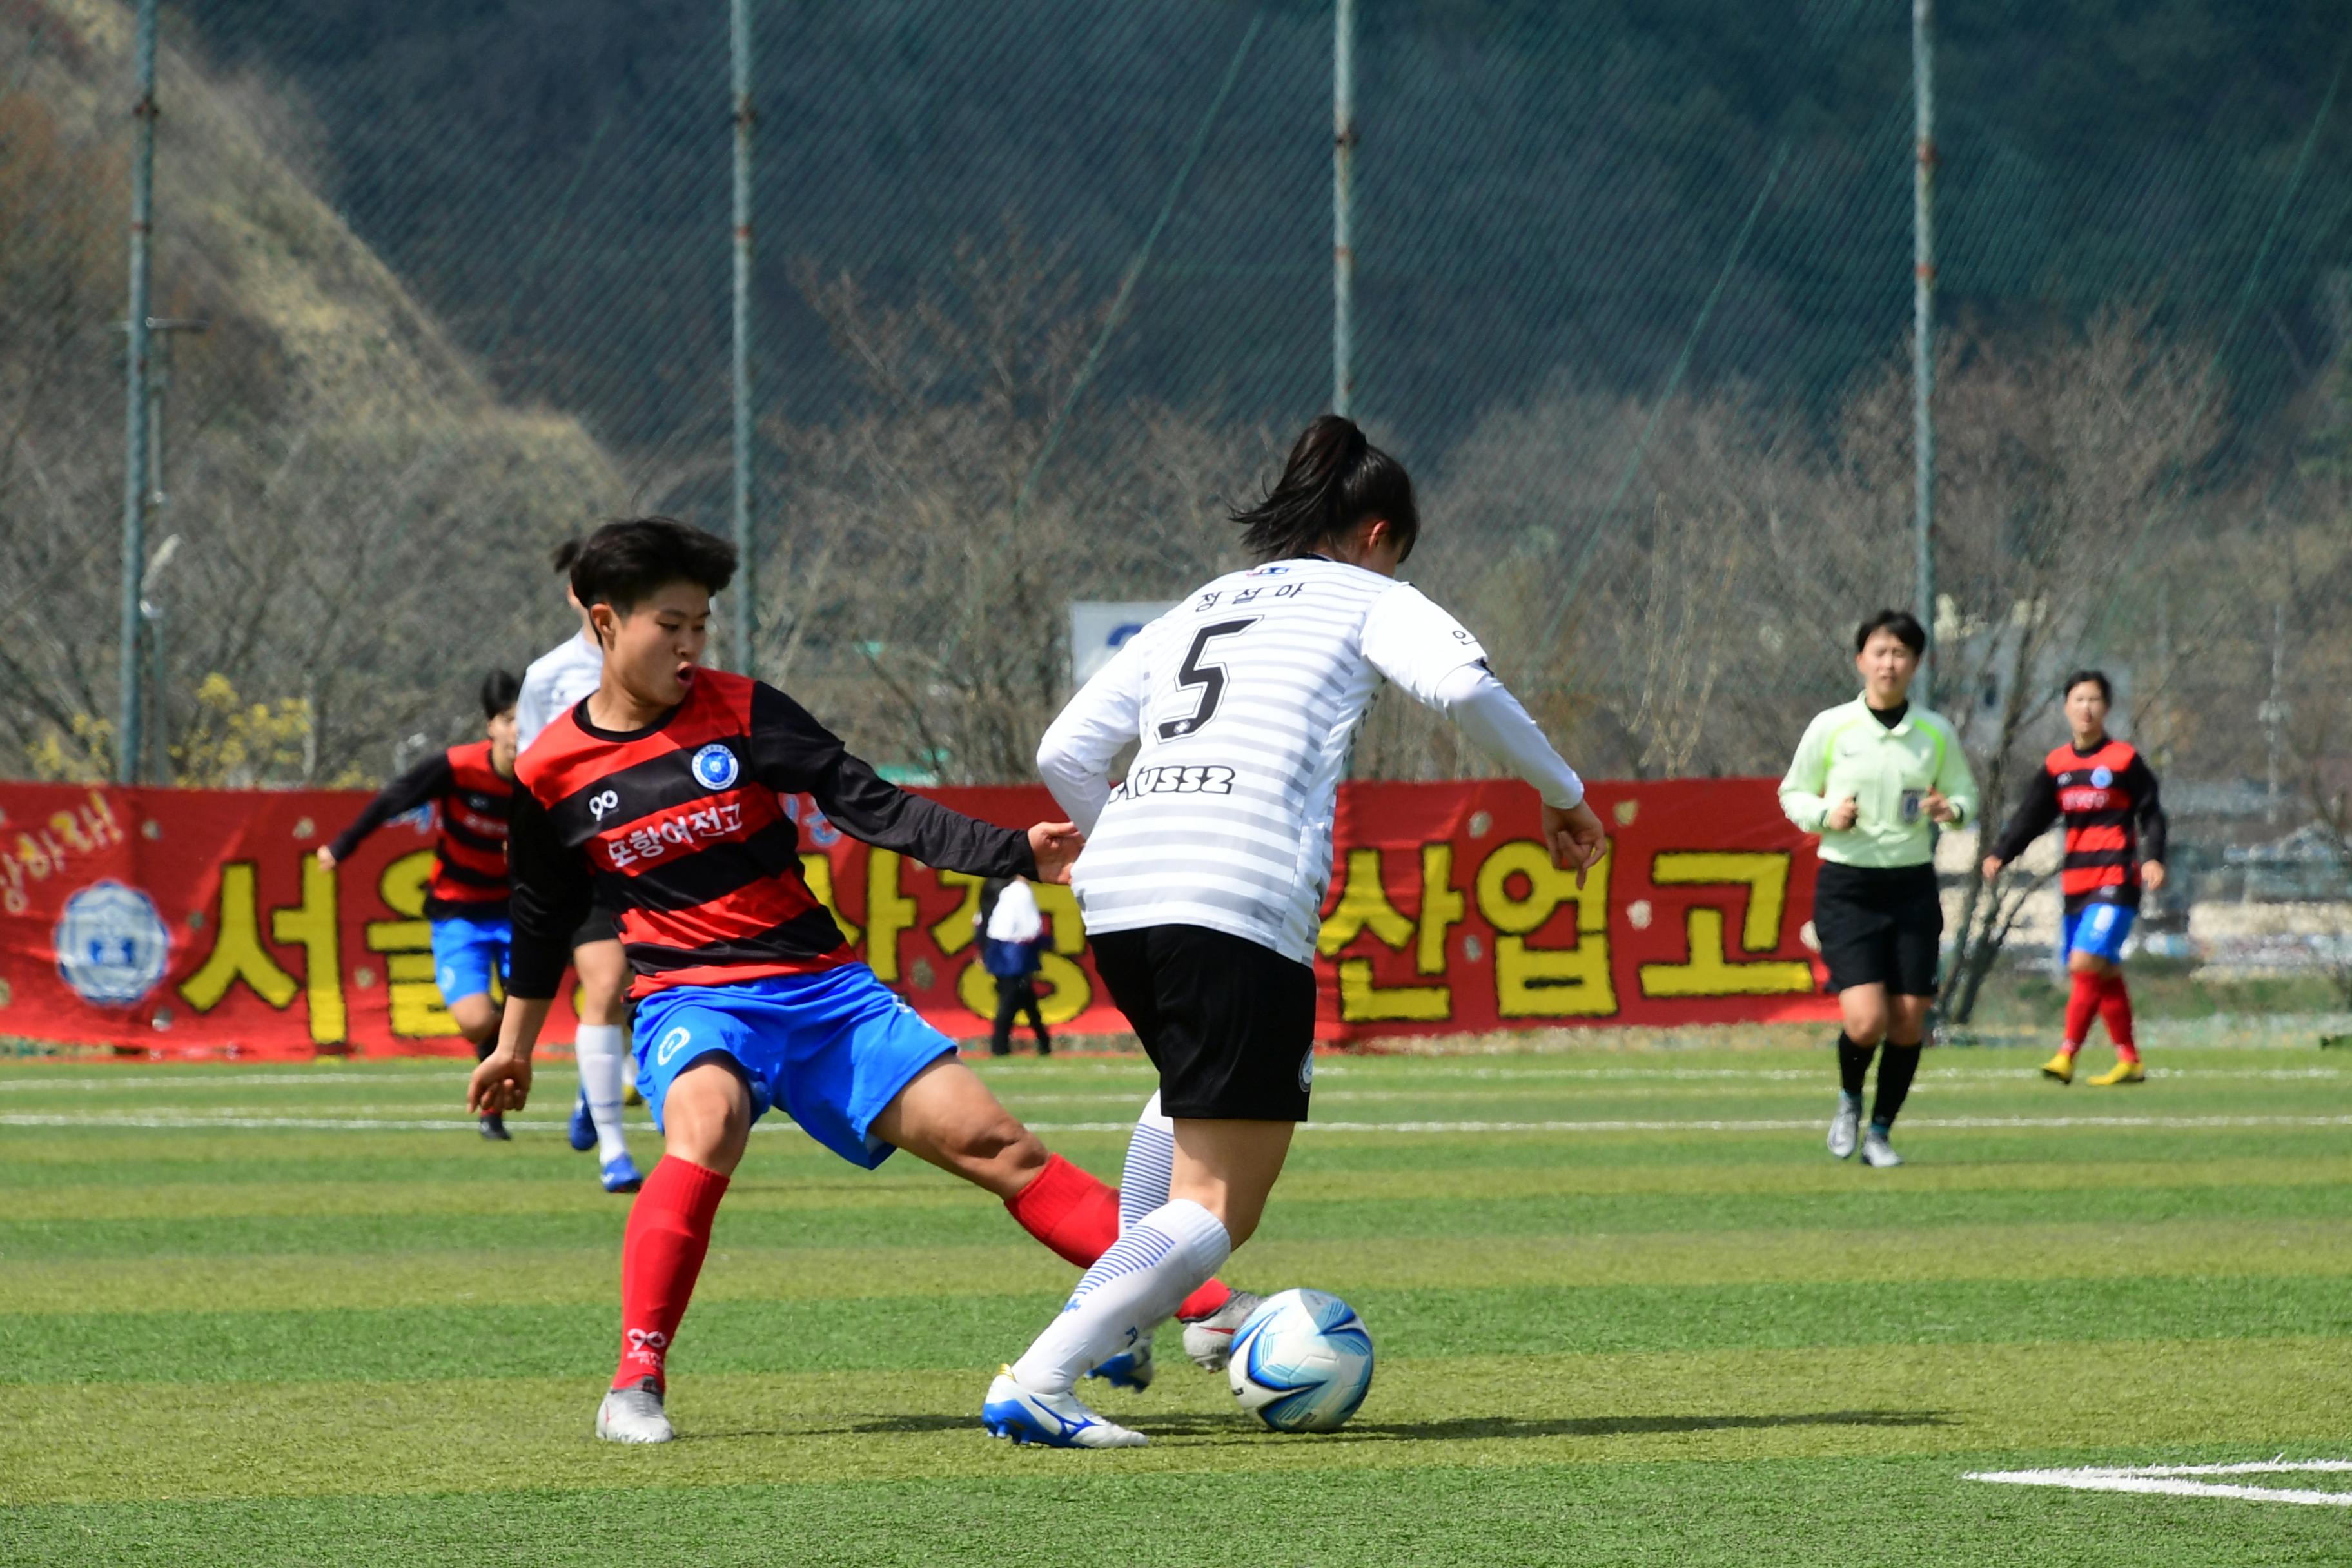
(715, 766)
(1307, 1070)
(2102, 776)
(671, 1043)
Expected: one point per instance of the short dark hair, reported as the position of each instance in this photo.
(2097, 676)
(565, 554)
(627, 562)
(1334, 480)
(500, 687)
(1903, 624)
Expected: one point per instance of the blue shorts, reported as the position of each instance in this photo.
(468, 949)
(2097, 929)
(833, 1049)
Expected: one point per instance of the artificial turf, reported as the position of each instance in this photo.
(1627, 1310)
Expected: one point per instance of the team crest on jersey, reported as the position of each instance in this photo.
(715, 766)
(2102, 776)
(111, 945)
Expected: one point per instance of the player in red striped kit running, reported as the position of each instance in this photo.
(657, 795)
(2114, 846)
(468, 787)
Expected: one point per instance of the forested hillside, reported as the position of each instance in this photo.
(1548, 187)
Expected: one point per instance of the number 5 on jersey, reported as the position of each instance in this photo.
(1209, 678)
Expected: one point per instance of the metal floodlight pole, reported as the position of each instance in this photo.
(1343, 209)
(744, 593)
(134, 477)
(1923, 322)
(160, 331)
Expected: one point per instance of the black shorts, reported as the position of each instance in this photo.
(602, 925)
(1879, 926)
(1229, 1022)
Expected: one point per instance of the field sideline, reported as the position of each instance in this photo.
(1627, 1311)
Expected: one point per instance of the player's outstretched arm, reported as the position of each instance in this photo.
(2034, 814)
(428, 780)
(1074, 756)
(791, 753)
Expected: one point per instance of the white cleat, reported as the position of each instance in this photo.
(1878, 1154)
(1055, 1420)
(1845, 1130)
(633, 1416)
(1209, 1341)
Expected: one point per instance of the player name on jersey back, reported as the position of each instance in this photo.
(1245, 698)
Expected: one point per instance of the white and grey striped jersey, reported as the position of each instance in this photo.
(1244, 698)
(555, 680)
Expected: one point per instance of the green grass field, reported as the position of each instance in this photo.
(1627, 1311)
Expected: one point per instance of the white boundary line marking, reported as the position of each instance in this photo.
(182, 1119)
(2167, 1480)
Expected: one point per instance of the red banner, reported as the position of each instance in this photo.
(198, 922)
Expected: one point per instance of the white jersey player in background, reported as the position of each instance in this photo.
(1204, 870)
(555, 680)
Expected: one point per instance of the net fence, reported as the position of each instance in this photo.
(1042, 288)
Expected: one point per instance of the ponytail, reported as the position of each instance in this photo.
(1334, 481)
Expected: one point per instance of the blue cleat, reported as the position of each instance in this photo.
(620, 1174)
(1129, 1369)
(1055, 1420)
(584, 1126)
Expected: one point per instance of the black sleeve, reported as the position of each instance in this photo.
(2148, 808)
(428, 780)
(552, 894)
(2034, 814)
(791, 753)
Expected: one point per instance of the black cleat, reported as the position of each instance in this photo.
(494, 1128)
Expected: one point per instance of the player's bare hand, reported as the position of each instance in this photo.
(2151, 874)
(326, 856)
(1055, 845)
(1992, 867)
(1843, 815)
(1575, 837)
(1939, 810)
(500, 1083)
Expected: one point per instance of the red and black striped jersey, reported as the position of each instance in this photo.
(677, 828)
(2107, 796)
(470, 800)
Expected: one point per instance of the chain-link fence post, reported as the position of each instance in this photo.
(745, 591)
(134, 436)
(1923, 325)
(1343, 214)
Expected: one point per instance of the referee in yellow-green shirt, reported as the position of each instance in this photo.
(1875, 777)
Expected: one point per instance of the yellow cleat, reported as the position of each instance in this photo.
(2059, 1067)
(2121, 1073)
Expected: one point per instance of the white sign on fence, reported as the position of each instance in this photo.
(1101, 627)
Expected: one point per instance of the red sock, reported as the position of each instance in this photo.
(1077, 1217)
(661, 1253)
(1204, 1301)
(2115, 1006)
(2082, 1002)
(1068, 1210)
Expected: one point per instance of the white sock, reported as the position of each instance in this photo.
(1156, 1263)
(1150, 1165)
(602, 1062)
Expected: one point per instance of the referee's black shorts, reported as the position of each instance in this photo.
(1229, 1022)
(1879, 925)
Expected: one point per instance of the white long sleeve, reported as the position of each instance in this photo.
(1075, 757)
(1483, 709)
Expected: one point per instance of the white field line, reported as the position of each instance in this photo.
(1950, 1079)
(197, 1120)
(2169, 1480)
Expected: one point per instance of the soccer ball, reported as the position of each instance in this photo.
(1302, 1362)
